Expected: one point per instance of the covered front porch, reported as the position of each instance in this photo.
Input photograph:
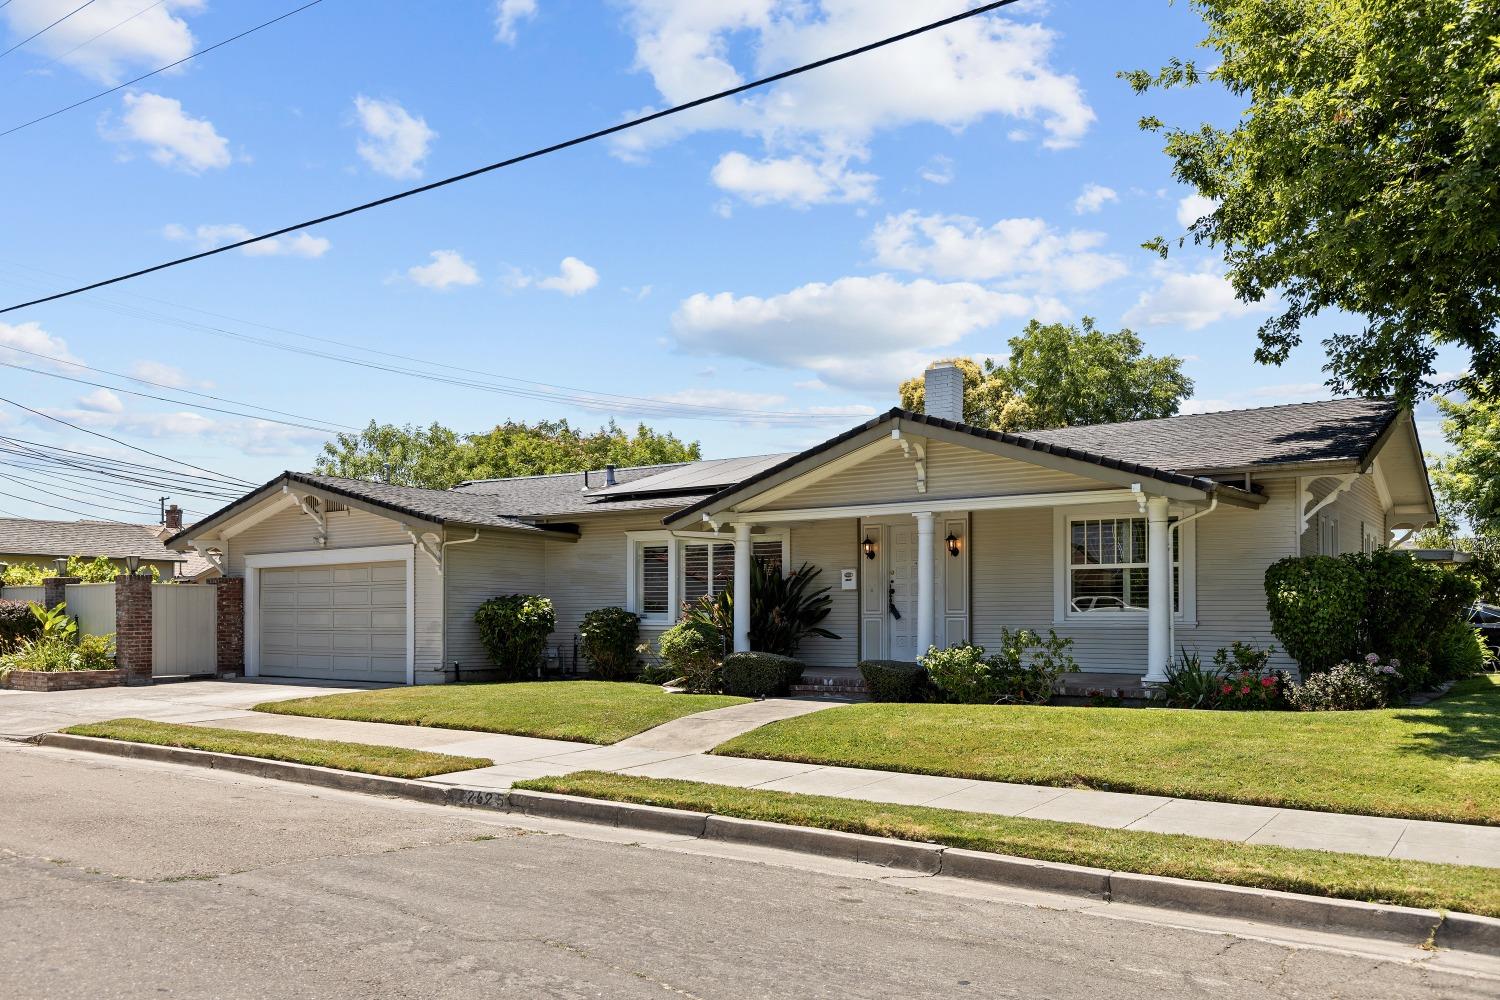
(932, 536)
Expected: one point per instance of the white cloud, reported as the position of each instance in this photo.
(102, 401)
(175, 138)
(165, 374)
(856, 331)
(734, 399)
(1194, 207)
(792, 180)
(120, 35)
(30, 337)
(1191, 301)
(992, 65)
(1025, 253)
(938, 170)
(447, 270)
(1093, 198)
(574, 277)
(396, 142)
(811, 385)
(292, 245)
(508, 14)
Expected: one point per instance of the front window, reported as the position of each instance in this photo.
(1107, 566)
(700, 569)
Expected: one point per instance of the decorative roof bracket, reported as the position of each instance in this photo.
(1305, 496)
(915, 449)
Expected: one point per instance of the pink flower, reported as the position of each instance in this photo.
(1228, 689)
(1267, 681)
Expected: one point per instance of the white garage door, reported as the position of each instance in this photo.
(335, 622)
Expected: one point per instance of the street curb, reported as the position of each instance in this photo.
(1453, 931)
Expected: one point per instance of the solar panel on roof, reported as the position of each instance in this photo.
(697, 475)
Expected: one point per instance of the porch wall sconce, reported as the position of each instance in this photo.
(869, 547)
(952, 541)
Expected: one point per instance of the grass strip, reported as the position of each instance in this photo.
(392, 762)
(1439, 761)
(582, 711)
(1470, 889)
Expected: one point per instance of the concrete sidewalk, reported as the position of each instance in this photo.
(518, 758)
(226, 704)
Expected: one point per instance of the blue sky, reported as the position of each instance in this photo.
(796, 252)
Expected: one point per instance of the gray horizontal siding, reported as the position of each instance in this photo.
(952, 473)
(831, 546)
(473, 572)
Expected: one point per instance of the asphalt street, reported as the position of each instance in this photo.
(126, 879)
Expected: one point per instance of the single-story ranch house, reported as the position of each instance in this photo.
(1134, 539)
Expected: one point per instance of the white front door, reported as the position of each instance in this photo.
(901, 592)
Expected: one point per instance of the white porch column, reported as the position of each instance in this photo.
(1159, 565)
(924, 583)
(742, 549)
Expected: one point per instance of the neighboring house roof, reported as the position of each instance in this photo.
(1296, 433)
(55, 539)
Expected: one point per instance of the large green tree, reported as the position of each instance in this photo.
(1363, 175)
(1467, 484)
(1058, 375)
(439, 458)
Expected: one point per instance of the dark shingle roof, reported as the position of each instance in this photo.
(441, 506)
(53, 539)
(1333, 430)
(562, 493)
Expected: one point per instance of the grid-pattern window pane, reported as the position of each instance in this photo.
(1107, 565)
(653, 583)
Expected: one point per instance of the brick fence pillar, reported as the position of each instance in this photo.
(229, 608)
(54, 590)
(133, 627)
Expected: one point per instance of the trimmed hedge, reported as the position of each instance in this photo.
(760, 675)
(895, 680)
(692, 650)
(607, 638)
(17, 623)
(514, 630)
(1317, 606)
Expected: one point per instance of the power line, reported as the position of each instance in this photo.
(124, 444)
(24, 483)
(110, 469)
(68, 481)
(154, 72)
(94, 38)
(65, 510)
(534, 154)
(544, 391)
(165, 399)
(46, 29)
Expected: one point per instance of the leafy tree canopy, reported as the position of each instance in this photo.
(1059, 375)
(1362, 176)
(1467, 485)
(439, 458)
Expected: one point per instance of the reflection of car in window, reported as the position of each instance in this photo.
(1099, 602)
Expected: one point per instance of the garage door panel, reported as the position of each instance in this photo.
(342, 622)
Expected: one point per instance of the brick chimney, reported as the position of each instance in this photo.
(944, 384)
(173, 519)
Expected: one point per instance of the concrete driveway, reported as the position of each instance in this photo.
(27, 713)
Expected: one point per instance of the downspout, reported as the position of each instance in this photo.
(1213, 504)
(442, 558)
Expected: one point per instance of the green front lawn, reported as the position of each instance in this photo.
(583, 711)
(1440, 761)
(1321, 873)
(393, 762)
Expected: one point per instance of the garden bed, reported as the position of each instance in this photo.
(61, 680)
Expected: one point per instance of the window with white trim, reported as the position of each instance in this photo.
(700, 569)
(1107, 568)
(1328, 535)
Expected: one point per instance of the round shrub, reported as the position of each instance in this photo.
(1458, 651)
(692, 651)
(760, 675)
(960, 674)
(894, 680)
(1317, 606)
(17, 623)
(607, 639)
(1347, 687)
(514, 629)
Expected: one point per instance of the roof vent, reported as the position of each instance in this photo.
(944, 392)
(609, 475)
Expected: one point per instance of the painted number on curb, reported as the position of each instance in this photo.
(477, 798)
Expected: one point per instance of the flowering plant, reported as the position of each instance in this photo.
(1368, 683)
(1249, 690)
